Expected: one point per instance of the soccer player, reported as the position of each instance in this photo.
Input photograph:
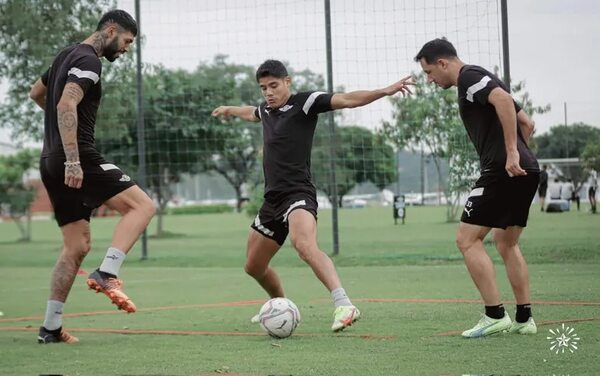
(543, 186)
(290, 202)
(77, 177)
(502, 195)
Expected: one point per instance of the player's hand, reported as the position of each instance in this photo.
(402, 86)
(512, 164)
(221, 111)
(73, 176)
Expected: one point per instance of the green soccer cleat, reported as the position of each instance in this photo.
(344, 316)
(488, 326)
(527, 327)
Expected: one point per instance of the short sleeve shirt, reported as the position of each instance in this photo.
(78, 64)
(288, 134)
(482, 122)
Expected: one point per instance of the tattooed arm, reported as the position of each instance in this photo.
(67, 126)
(38, 94)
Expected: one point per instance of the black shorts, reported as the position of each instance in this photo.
(271, 220)
(500, 201)
(542, 190)
(592, 193)
(101, 181)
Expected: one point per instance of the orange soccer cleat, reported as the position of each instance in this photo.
(111, 287)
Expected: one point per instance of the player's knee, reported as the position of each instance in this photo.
(464, 242)
(78, 248)
(254, 270)
(504, 247)
(306, 250)
(148, 208)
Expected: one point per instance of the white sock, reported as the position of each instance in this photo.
(54, 313)
(340, 298)
(112, 261)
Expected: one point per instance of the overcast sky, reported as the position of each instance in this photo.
(553, 43)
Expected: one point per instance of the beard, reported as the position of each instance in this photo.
(111, 50)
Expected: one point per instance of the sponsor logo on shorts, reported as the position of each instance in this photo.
(125, 178)
(468, 204)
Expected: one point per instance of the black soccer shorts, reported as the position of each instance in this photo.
(101, 181)
(500, 201)
(272, 219)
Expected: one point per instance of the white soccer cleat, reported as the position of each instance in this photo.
(344, 316)
(488, 326)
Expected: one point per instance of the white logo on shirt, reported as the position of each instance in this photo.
(125, 178)
(286, 107)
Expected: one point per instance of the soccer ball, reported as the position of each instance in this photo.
(279, 317)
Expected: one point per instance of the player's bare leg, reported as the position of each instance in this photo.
(259, 252)
(507, 244)
(469, 240)
(76, 245)
(303, 234)
(137, 209)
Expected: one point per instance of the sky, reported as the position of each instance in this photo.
(553, 43)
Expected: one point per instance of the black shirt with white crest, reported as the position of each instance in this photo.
(288, 134)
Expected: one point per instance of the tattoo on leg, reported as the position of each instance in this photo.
(63, 277)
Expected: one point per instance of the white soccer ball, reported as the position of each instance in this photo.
(279, 317)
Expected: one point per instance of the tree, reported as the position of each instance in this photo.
(591, 155)
(179, 130)
(240, 142)
(31, 33)
(360, 156)
(16, 191)
(566, 141)
(430, 120)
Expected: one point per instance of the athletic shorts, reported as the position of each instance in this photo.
(542, 190)
(500, 201)
(272, 219)
(101, 181)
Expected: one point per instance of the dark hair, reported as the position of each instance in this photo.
(273, 68)
(435, 49)
(121, 18)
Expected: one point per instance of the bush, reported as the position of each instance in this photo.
(256, 201)
(201, 209)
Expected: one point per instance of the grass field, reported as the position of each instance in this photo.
(195, 302)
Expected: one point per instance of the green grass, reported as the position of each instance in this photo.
(378, 261)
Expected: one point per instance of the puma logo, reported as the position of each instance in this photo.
(468, 211)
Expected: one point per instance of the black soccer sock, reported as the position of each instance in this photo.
(523, 312)
(495, 312)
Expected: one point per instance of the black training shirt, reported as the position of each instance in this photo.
(482, 122)
(288, 135)
(79, 64)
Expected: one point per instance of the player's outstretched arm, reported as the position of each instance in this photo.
(38, 94)
(362, 97)
(243, 112)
